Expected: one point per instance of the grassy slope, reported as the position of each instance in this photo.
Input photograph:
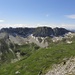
(40, 61)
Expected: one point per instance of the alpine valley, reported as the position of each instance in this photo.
(37, 51)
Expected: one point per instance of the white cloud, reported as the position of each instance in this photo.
(1, 20)
(15, 25)
(11, 25)
(70, 16)
(67, 26)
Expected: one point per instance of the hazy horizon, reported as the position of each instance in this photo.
(34, 13)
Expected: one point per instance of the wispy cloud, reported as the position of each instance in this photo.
(47, 15)
(1, 20)
(71, 16)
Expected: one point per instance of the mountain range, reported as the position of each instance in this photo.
(37, 35)
(37, 32)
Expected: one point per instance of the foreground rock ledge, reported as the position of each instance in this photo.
(65, 68)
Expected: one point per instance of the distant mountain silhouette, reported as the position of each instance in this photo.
(37, 32)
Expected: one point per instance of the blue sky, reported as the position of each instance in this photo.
(33, 13)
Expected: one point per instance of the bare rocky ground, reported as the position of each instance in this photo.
(30, 39)
(65, 68)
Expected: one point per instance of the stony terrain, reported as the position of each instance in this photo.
(67, 67)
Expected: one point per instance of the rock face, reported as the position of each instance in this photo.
(4, 36)
(65, 68)
(59, 31)
(43, 32)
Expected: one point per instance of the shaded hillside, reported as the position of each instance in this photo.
(6, 51)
